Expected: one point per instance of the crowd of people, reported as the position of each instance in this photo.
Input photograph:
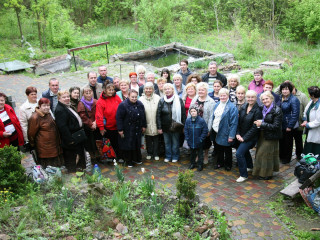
(189, 110)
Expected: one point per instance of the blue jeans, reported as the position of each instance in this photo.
(244, 157)
(171, 141)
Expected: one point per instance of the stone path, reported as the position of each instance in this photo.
(245, 204)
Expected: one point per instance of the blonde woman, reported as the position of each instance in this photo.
(178, 85)
(233, 83)
(124, 89)
(141, 70)
(190, 93)
(240, 93)
(161, 82)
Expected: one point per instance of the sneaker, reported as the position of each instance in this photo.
(249, 169)
(130, 164)
(241, 179)
(148, 157)
(138, 162)
(174, 160)
(156, 158)
(121, 160)
(166, 160)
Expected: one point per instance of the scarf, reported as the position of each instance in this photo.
(87, 104)
(176, 107)
(266, 110)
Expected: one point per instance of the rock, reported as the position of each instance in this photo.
(201, 229)
(97, 222)
(87, 229)
(270, 64)
(196, 199)
(177, 235)
(214, 234)
(64, 227)
(206, 234)
(209, 223)
(98, 235)
(187, 228)
(4, 237)
(71, 238)
(121, 228)
(154, 233)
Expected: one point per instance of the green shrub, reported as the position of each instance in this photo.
(186, 192)
(12, 174)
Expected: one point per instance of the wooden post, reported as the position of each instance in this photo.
(74, 59)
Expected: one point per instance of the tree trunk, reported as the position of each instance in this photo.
(39, 26)
(19, 23)
(216, 13)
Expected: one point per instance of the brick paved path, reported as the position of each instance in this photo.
(245, 204)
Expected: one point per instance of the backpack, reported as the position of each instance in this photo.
(306, 167)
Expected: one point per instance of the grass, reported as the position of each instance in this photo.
(300, 210)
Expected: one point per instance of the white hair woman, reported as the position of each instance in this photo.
(224, 127)
(247, 133)
(171, 112)
(150, 102)
(204, 104)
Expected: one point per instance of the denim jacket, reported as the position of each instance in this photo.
(228, 124)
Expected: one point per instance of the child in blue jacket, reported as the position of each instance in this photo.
(195, 131)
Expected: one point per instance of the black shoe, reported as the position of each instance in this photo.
(265, 178)
(200, 168)
(130, 164)
(217, 166)
(192, 166)
(227, 168)
(138, 162)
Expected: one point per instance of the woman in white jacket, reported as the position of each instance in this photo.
(311, 122)
(150, 102)
(205, 105)
(26, 110)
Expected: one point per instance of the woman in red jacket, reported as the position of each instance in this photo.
(10, 129)
(106, 110)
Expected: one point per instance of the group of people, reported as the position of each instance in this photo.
(190, 110)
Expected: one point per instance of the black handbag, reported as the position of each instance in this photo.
(79, 136)
(304, 171)
(176, 127)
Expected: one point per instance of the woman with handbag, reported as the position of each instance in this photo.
(87, 111)
(131, 123)
(71, 132)
(171, 117)
(224, 128)
(204, 104)
(106, 110)
(267, 153)
(44, 136)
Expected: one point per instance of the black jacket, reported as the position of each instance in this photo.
(164, 114)
(131, 119)
(272, 124)
(46, 94)
(220, 77)
(67, 124)
(246, 129)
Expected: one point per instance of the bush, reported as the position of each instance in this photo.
(12, 174)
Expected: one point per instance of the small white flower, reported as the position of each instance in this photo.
(115, 164)
(114, 160)
(142, 170)
(152, 194)
(63, 188)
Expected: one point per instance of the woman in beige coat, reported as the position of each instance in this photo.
(150, 102)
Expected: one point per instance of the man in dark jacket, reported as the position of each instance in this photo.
(184, 70)
(195, 131)
(213, 75)
(150, 78)
(52, 93)
(103, 75)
